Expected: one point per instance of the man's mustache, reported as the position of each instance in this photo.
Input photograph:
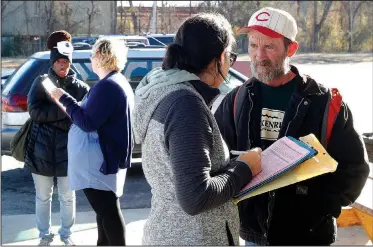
(263, 63)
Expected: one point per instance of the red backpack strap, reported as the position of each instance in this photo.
(334, 108)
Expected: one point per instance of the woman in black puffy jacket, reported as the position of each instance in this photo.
(46, 151)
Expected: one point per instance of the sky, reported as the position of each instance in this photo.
(159, 3)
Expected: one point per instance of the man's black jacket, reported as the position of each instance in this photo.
(303, 213)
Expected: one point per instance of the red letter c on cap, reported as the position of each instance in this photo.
(261, 19)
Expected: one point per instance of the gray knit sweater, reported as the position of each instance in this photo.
(186, 163)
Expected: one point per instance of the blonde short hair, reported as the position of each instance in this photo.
(111, 54)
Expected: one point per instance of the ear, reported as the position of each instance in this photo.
(292, 49)
(222, 57)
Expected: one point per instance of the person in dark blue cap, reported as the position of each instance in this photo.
(46, 150)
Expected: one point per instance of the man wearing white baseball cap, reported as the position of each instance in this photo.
(278, 101)
(274, 23)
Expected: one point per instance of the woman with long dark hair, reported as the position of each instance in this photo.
(184, 158)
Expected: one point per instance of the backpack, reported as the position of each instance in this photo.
(333, 110)
(19, 142)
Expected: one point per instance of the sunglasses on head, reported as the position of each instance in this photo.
(232, 57)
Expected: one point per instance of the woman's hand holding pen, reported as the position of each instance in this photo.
(253, 159)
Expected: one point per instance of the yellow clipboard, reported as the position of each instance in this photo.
(320, 164)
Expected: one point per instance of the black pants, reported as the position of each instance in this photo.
(110, 222)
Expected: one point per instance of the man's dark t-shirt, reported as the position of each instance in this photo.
(274, 103)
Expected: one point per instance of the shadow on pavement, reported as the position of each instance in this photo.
(18, 205)
(19, 228)
(18, 192)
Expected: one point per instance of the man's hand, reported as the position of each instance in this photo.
(57, 93)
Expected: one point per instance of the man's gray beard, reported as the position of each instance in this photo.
(277, 70)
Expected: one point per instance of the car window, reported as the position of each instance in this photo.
(83, 68)
(166, 40)
(152, 41)
(135, 70)
(156, 40)
(22, 79)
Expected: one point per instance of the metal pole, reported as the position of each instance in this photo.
(315, 37)
(139, 26)
(121, 17)
(39, 25)
(190, 8)
(153, 26)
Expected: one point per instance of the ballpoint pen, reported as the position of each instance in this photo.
(235, 152)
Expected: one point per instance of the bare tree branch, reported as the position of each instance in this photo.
(68, 17)
(325, 13)
(5, 4)
(92, 13)
(133, 15)
(114, 19)
(49, 16)
(27, 19)
(317, 26)
(357, 9)
(351, 19)
(149, 21)
(3, 7)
